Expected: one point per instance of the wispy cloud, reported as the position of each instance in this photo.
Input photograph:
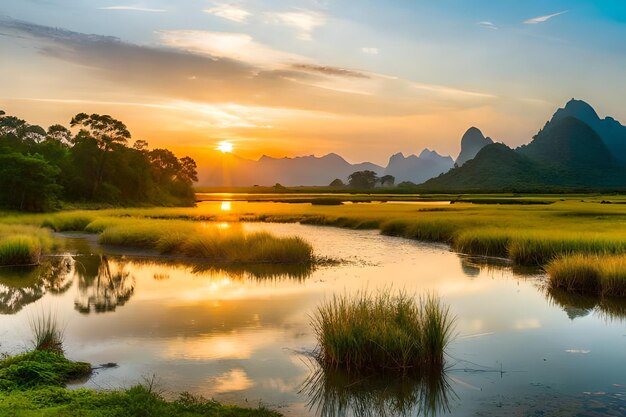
(541, 19)
(304, 21)
(236, 46)
(488, 25)
(231, 12)
(133, 9)
(370, 50)
(326, 70)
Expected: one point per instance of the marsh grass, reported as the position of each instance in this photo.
(370, 333)
(23, 244)
(69, 221)
(604, 275)
(207, 241)
(47, 333)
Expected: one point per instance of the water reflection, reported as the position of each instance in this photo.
(22, 286)
(332, 393)
(102, 285)
(580, 305)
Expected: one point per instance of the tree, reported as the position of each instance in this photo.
(107, 132)
(59, 133)
(363, 179)
(336, 183)
(27, 182)
(188, 171)
(387, 180)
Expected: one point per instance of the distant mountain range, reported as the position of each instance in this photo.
(574, 150)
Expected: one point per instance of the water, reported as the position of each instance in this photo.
(241, 335)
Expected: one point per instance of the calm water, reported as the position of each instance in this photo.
(241, 336)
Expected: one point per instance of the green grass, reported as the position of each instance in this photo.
(382, 332)
(590, 274)
(23, 244)
(207, 241)
(39, 368)
(68, 222)
(33, 385)
(529, 234)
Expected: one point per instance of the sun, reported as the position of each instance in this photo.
(225, 147)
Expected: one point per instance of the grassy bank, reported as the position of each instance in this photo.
(33, 385)
(603, 275)
(380, 332)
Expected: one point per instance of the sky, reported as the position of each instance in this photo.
(364, 79)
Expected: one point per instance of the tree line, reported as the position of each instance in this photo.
(365, 179)
(40, 168)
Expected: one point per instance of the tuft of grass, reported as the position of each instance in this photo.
(603, 275)
(23, 244)
(20, 250)
(47, 333)
(382, 332)
(68, 222)
(483, 242)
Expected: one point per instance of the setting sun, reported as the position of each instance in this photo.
(225, 147)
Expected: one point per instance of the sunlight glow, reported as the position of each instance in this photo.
(225, 206)
(225, 147)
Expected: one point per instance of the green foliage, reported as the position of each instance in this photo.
(27, 183)
(68, 222)
(95, 165)
(382, 332)
(363, 179)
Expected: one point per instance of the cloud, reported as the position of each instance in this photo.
(229, 11)
(304, 21)
(326, 70)
(488, 25)
(133, 8)
(213, 69)
(236, 46)
(369, 50)
(541, 19)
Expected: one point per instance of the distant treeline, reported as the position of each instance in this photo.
(39, 168)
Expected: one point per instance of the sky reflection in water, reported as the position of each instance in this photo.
(237, 334)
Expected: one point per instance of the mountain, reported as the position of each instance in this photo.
(418, 169)
(472, 141)
(612, 132)
(566, 154)
(232, 170)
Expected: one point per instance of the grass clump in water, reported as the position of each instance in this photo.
(211, 242)
(47, 333)
(603, 275)
(382, 332)
(23, 244)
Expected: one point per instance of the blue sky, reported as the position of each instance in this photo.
(362, 78)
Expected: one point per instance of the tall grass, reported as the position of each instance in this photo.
(208, 242)
(47, 332)
(68, 222)
(382, 332)
(23, 245)
(590, 274)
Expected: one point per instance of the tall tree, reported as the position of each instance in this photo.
(107, 132)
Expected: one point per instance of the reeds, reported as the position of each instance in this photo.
(68, 222)
(382, 332)
(47, 333)
(603, 275)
